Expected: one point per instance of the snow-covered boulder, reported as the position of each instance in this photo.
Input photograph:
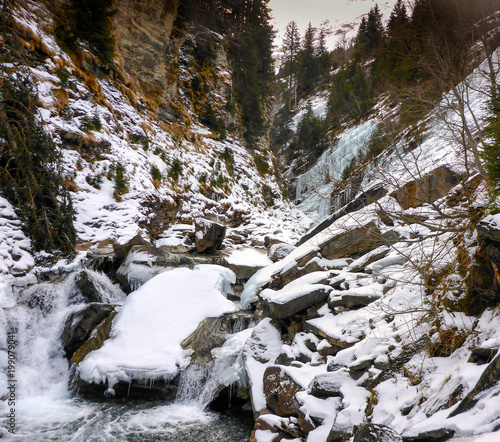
(145, 340)
(208, 235)
(245, 262)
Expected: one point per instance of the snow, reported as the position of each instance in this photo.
(297, 288)
(154, 320)
(249, 257)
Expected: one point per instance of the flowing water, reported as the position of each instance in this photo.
(47, 411)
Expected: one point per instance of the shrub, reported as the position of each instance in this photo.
(175, 171)
(120, 180)
(155, 173)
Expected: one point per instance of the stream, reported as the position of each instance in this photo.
(46, 409)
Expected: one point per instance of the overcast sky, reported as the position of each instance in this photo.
(339, 12)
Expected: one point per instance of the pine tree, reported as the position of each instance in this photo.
(322, 53)
(308, 63)
(290, 48)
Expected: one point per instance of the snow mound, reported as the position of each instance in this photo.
(147, 333)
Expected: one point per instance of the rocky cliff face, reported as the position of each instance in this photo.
(143, 32)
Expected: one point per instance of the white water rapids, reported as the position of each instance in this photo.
(46, 409)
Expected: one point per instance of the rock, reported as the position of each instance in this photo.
(488, 230)
(351, 300)
(431, 436)
(245, 262)
(364, 199)
(122, 250)
(208, 236)
(142, 262)
(376, 433)
(337, 435)
(294, 297)
(431, 187)
(361, 365)
(326, 385)
(279, 251)
(360, 264)
(212, 332)
(480, 355)
(80, 325)
(280, 389)
(88, 287)
(490, 377)
(352, 243)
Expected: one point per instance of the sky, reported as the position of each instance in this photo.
(339, 12)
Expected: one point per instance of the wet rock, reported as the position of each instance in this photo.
(376, 433)
(80, 325)
(431, 187)
(212, 332)
(88, 286)
(326, 385)
(280, 389)
(208, 236)
(440, 435)
(489, 378)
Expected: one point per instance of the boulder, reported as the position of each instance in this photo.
(212, 332)
(352, 243)
(122, 250)
(88, 286)
(351, 300)
(208, 236)
(280, 389)
(376, 433)
(431, 187)
(362, 200)
(326, 385)
(80, 325)
(440, 435)
(141, 263)
(245, 262)
(298, 295)
(279, 251)
(489, 378)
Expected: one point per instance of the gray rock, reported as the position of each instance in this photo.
(326, 385)
(89, 288)
(209, 236)
(376, 433)
(212, 332)
(291, 307)
(80, 325)
(489, 378)
(431, 436)
(279, 251)
(351, 300)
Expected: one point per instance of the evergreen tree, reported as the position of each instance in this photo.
(308, 63)
(29, 168)
(251, 57)
(290, 48)
(322, 53)
(370, 34)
